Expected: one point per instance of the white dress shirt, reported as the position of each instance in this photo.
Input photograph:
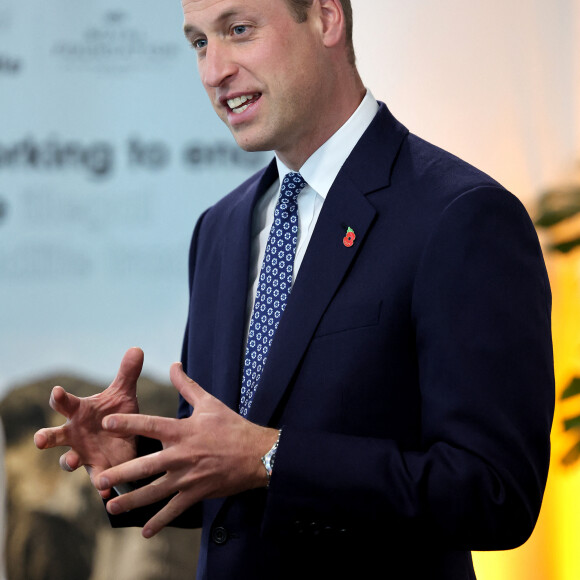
(319, 171)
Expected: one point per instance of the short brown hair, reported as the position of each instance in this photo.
(300, 10)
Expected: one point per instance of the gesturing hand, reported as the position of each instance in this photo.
(92, 446)
(213, 453)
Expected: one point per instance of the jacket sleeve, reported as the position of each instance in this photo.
(481, 313)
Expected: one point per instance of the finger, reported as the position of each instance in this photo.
(93, 473)
(149, 494)
(70, 461)
(63, 402)
(187, 387)
(139, 468)
(175, 507)
(40, 439)
(129, 371)
(161, 428)
(63, 464)
(50, 437)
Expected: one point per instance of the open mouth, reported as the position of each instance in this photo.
(240, 104)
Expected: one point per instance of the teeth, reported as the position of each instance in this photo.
(236, 104)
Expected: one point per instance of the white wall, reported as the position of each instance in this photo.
(496, 82)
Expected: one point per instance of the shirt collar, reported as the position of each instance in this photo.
(322, 167)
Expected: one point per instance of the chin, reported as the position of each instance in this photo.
(252, 145)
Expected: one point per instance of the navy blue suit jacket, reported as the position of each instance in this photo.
(412, 373)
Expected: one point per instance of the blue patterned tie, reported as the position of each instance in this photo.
(273, 287)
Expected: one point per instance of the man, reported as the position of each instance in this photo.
(397, 415)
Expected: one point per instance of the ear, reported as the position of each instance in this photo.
(330, 16)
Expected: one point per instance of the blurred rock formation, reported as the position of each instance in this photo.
(56, 526)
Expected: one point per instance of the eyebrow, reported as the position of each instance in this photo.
(190, 30)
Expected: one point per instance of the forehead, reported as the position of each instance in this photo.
(193, 7)
(200, 16)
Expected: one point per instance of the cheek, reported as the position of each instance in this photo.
(212, 99)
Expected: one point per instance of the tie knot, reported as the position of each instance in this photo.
(292, 184)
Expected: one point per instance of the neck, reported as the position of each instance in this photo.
(345, 101)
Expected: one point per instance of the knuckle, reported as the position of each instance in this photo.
(173, 508)
(50, 436)
(159, 483)
(151, 425)
(149, 469)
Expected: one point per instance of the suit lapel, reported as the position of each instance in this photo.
(327, 260)
(233, 291)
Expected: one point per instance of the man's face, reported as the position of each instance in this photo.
(264, 73)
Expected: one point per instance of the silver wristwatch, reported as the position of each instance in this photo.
(268, 459)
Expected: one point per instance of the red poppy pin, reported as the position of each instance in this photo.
(348, 240)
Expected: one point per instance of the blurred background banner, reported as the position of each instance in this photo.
(110, 150)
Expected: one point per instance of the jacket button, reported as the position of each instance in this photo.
(219, 535)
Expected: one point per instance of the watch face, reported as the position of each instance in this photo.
(267, 466)
(269, 461)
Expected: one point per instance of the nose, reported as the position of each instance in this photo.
(217, 65)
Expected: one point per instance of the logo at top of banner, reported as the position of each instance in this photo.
(112, 43)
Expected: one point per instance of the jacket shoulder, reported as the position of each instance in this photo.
(440, 171)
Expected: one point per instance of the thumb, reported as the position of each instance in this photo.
(129, 371)
(187, 387)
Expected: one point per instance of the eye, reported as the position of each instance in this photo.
(239, 29)
(199, 43)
